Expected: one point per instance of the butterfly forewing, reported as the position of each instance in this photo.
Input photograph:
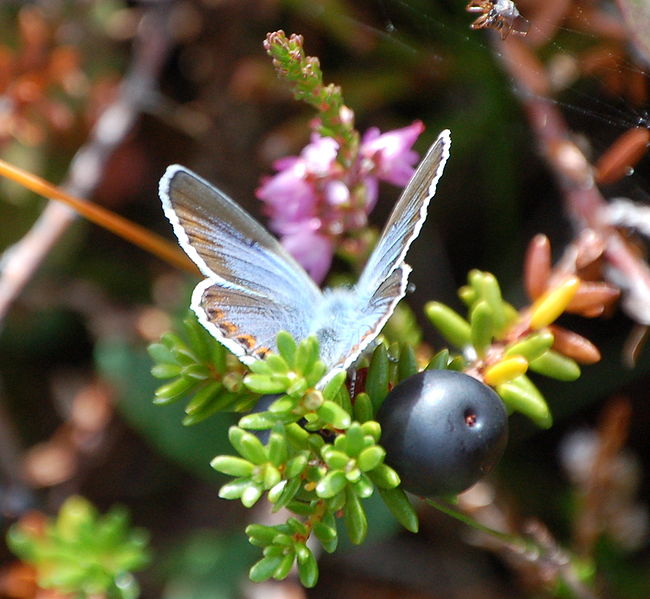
(407, 217)
(385, 277)
(226, 242)
(254, 288)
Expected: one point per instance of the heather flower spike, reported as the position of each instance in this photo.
(335, 119)
(313, 202)
(317, 198)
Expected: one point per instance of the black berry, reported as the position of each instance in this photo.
(442, 431)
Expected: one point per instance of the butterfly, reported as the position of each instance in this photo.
(254, 289)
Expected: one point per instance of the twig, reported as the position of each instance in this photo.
(600, 488)
(19, 262)
(536, 549)
(574, 174)
(136, 234)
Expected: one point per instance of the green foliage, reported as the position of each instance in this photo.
(126, 366)
(81, 552)
(201, 370)
(314, 450)
(317, 462)
(500, 344)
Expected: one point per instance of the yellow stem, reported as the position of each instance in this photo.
(110, 221)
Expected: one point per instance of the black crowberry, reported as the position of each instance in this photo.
(442, 430)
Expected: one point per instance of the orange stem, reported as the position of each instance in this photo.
(110, 221)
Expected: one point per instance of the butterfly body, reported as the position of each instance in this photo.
(254, 288)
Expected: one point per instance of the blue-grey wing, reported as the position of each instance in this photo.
(349, 320)
(245, 322)
(407, 217)
(254, 288)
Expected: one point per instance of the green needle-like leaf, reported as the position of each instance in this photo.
(161, 354)
(362, 408)
(408, 364)
(282, 571)
(277, 364)
(333, 458)
(234, 489)
(557, 366)
(288, 492)
(174, 390)
(202, 397)
(307, 566)
(532, 346)
(251, 494)
(400, 506)
(491, 293)
(334, 415)
(371, 457)
(333, 386)
(439, 361)
(296, 465)
(232, 465)
(356, 522)
(521, 395)
(378, 377)
(265, 568)
(261, 535)
(278, 449)
(287, 347)
(264, 384)
(248, 445)
(327, 535)
(165, 370)
(332, 484)
(482, 326)
(451, 324)
(384, 477)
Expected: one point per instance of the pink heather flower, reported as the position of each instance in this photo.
(320, 155)
(289, 196)
(390, 153)
(312, 200)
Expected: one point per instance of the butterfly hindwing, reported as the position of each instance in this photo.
(246, 323)
(349, 324)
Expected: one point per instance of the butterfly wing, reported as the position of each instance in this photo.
(254, 288)
(362, 312)
(407, 217)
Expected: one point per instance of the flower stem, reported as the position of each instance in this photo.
(539, 550)
(303, 73)
(508, 539)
